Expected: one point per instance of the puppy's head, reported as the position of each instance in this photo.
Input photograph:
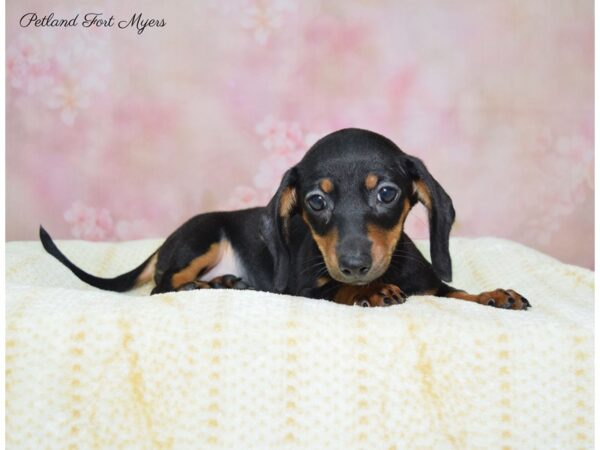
(354, 189)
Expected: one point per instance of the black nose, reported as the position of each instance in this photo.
(355, 265)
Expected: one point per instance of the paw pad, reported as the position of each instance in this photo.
(504, 299)
(380, 295)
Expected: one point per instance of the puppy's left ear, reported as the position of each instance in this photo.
(275, 228)
(441, 215)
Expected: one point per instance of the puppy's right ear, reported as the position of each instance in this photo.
(276, 224)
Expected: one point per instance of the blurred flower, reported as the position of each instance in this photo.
(88, 222)
(280, 136)
(69, 98)
(68, 69)
(27, 66)
(271, 169)
(262, 20)
(286, 143)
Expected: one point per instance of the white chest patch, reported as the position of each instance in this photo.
(228, 264)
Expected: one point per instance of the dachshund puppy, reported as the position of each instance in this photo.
(333, 230)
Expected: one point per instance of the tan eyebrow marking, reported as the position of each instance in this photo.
(371, 181)
(326, 185)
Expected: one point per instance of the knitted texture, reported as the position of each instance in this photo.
(89, 369)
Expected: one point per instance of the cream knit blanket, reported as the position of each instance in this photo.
(88, 369)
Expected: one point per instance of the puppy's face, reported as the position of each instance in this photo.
(354, 195)
(354, 189)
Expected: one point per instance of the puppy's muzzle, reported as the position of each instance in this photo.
(355, 261)
(355, 265)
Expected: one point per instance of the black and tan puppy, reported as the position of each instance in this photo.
(333, 230)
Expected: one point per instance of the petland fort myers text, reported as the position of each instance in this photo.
(89, 20)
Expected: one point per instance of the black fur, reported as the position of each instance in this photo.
(119, 283)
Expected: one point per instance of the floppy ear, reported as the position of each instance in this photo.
(276, 224)
(441, 215)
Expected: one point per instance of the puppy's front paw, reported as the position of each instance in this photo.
(506, 299)
(222, 282)
(228, 282)
(380, 295)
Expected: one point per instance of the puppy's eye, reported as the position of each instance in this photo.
(387, 194)
(316, 202)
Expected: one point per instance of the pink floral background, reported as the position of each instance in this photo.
(112, 135)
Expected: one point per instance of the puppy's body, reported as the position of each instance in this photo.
(333, 230)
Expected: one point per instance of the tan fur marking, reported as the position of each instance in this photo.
(287, 201)
(462, 295)
(148, 272)
(326, 185)
(322, 281)
(423, 193)
(374, 293)
(198, 265)
(371, 181)
(383, 241)
(327, 245)
(347, 294)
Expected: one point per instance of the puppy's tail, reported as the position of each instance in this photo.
(120, 283)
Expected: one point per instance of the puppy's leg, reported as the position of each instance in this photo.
(191, 251)
(499, 298)
(417, 277)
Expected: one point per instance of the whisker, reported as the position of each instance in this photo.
(319, 266)
(409, 257)
(314, 258)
